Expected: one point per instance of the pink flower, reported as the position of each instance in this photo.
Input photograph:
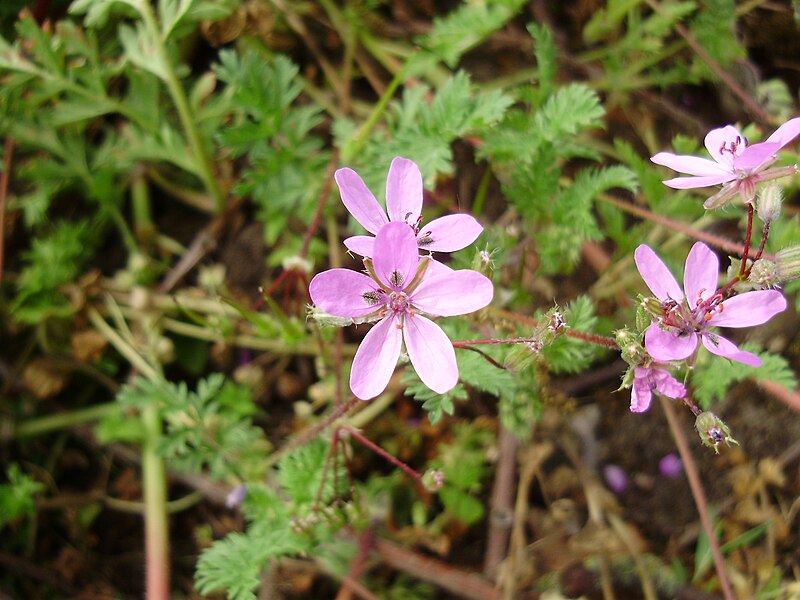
(404, 204)
(646, 380)
(681, 320)
(735, 164)
(396, 295)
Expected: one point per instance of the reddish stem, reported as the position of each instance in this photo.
(747, 237)
(380, 451)
(699, 496)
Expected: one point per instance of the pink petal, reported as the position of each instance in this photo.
(786, 132)
(362, 245)
(641, 392)
(685, 183)
(453, 293)
(656, 274)
(716, 344)
(667, 385)
(720, 142)
(755, 156)
(750, 308)
(449, 233)
(665, 346)
(436, 268)
(340, 292)
(376, 359)
(431, 353)
(700, 274)
(691, 165)
(359, 200)
(395, 256)
(404, 191)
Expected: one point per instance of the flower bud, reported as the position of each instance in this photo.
(764, 272)
(632, 351)
(713, 431)
(788, 263)
(483, 262)
(769, 202)
(616, 478)
(670, 466)
(296, 263)
(433, 480)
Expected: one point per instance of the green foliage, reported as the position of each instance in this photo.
(465, 466)
(51, 262)
(714, 375)
(285, 520)
(713, 27)
(436, 405)
(234, 565)
(545, 60)
(207, 429)
(424, 130)
(466, 26)
(528, 149)
(285, 159)
(573, 220)
(18, 495)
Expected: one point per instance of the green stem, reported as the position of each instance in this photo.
(353, 148)
(178, 94)
(482, 191)
(143, 225)
(51, 423)
(155, 511)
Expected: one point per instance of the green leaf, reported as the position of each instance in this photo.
(467, 26)
(568, 354)
(301, 473)
(463, 506)
(140, 49)
(713, 375)
(17, 497)
(234, 565)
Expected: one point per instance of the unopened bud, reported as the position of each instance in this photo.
(483, 262)
(297, 263)
(632, 351)
(788, 263)
(770, 200)
(165, 350)
(765, 273)
(713, 431)
(433, 480)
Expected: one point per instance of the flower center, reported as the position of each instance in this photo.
(685, 319)
(398, 302)
(734, 146)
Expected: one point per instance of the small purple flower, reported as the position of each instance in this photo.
(616, 478)
(396, 294)
(404, 204)
(647, 380)
(736, 164)
(670, 465)
(236, 496)
(680, 320)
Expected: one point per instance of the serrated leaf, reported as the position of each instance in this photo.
(140, 49)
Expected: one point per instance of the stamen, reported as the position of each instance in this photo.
(373, 297)
(425, 240)
(397, 279)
